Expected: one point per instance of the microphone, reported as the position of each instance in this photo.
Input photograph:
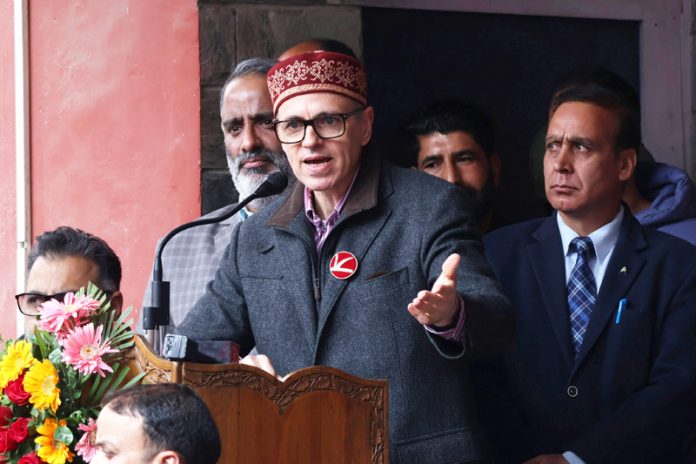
(274, 184)
(157, 314)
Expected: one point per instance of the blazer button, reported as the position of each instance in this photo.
(572, 391)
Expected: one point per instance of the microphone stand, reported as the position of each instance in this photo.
(156, 316)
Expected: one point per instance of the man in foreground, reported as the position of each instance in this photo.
(335, 273)
(156, 424)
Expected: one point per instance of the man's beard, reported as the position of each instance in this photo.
(247, 180)
(483, 200)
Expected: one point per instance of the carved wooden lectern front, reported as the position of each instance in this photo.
(316, 415)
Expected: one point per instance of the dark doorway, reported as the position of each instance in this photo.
(507, 64)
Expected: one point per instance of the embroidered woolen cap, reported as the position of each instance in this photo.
(317, 71)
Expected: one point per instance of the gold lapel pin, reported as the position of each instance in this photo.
(624, 270)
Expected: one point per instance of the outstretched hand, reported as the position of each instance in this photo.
(440, 305)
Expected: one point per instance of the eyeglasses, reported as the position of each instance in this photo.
(326, 126)
(29, 303)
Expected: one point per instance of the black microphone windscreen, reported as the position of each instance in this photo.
(273, 185)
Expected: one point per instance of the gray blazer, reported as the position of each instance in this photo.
(273, 291)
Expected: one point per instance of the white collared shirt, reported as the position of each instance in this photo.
(603, 239)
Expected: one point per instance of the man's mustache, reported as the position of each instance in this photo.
(268, 156)
(246, 156)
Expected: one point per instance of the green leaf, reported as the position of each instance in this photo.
(41, 343)
(64, 435)
(39, 416)
(115, 380)
(93, 391)
(135, 380)
(81, 415)
(119, 332)
(56, 356)
(101, 385)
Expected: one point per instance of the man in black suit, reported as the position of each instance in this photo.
(603, 366)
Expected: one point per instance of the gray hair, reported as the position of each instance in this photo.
(244, 68)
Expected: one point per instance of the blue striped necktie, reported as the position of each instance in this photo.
(582, 290)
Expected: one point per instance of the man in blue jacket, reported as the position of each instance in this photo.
(603, 366)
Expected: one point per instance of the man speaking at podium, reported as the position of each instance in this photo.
(364, 267)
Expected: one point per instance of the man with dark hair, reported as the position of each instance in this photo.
(65, 260)
(156, 424)
(191, 258)
(659, 195)
(360, 266)
(455, 141)
(603, 366)
(611, 92)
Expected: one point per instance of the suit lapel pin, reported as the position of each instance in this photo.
(624, 270)
(343, 265)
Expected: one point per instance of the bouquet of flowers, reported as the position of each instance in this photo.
(52, 383)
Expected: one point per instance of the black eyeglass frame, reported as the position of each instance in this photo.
(310, 122)
(60, 296)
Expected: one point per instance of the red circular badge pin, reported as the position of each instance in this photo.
(343, 265)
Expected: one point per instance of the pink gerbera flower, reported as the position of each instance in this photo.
(85, 447)
(83, 349)
(60, 317)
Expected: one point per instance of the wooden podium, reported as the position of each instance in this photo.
(316, 415)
